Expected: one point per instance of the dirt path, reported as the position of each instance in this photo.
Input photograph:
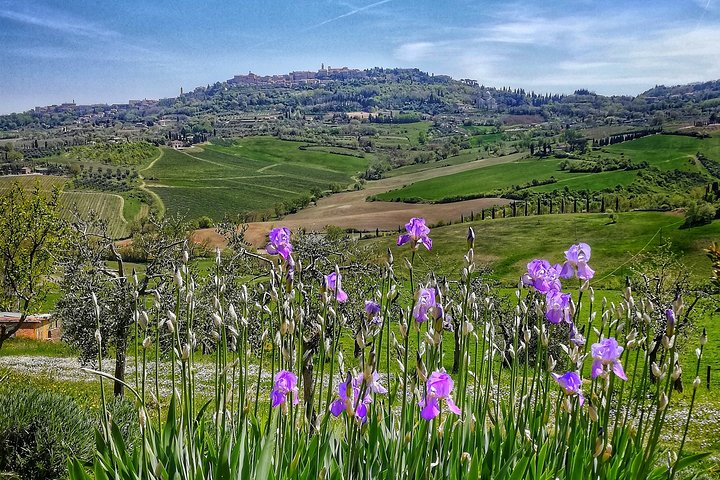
(144, 187)
(262, 169)
(352, 210)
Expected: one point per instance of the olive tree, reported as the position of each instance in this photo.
(95, 271)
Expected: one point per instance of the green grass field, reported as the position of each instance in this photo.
(477, 181)
(402, 133)
(665, 152)
(506, 245)
(482, 135)
(465, 156)
(253, 174)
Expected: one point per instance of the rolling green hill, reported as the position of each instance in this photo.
(251, 174)
(664, 152)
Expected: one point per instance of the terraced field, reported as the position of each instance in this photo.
(107, 206)
(253, 174)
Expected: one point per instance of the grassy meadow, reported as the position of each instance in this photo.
(464, 156)
(407, 134)
(506, 245)
(665, 152)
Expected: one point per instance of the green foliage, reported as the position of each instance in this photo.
(699, 213)
(712, 166)
(205, 222)
(534, 429)
(603, 165)
(31, 236)
(39, 430)
(135, 153)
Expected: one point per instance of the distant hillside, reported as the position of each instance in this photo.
(378, 91)
(691, 91)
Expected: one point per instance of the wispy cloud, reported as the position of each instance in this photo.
(108, 46)
(563, 53)
(348, 14)
(417, 51)
(59, 23)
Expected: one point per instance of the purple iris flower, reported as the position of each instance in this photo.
(575, 336)
(372, 309)
(280, 242)
(426, 306)
(439, 386)
(349, 396)
(285, 382)
(417, 233)
(605, 353)
(557, 306)
(373, 384)
(670, 327)
(571, 383)
(577, 257)
(542, 276)
(332, 284)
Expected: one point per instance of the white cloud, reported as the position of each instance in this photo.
(566, 53)
(415, 51)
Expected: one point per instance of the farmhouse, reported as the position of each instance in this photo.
(37, 327)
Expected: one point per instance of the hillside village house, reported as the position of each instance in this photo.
(37, 327)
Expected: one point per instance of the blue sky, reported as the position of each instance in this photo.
(113, 51)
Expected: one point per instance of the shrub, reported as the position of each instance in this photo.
(699, 214)
(205, 222)
(40, 430)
